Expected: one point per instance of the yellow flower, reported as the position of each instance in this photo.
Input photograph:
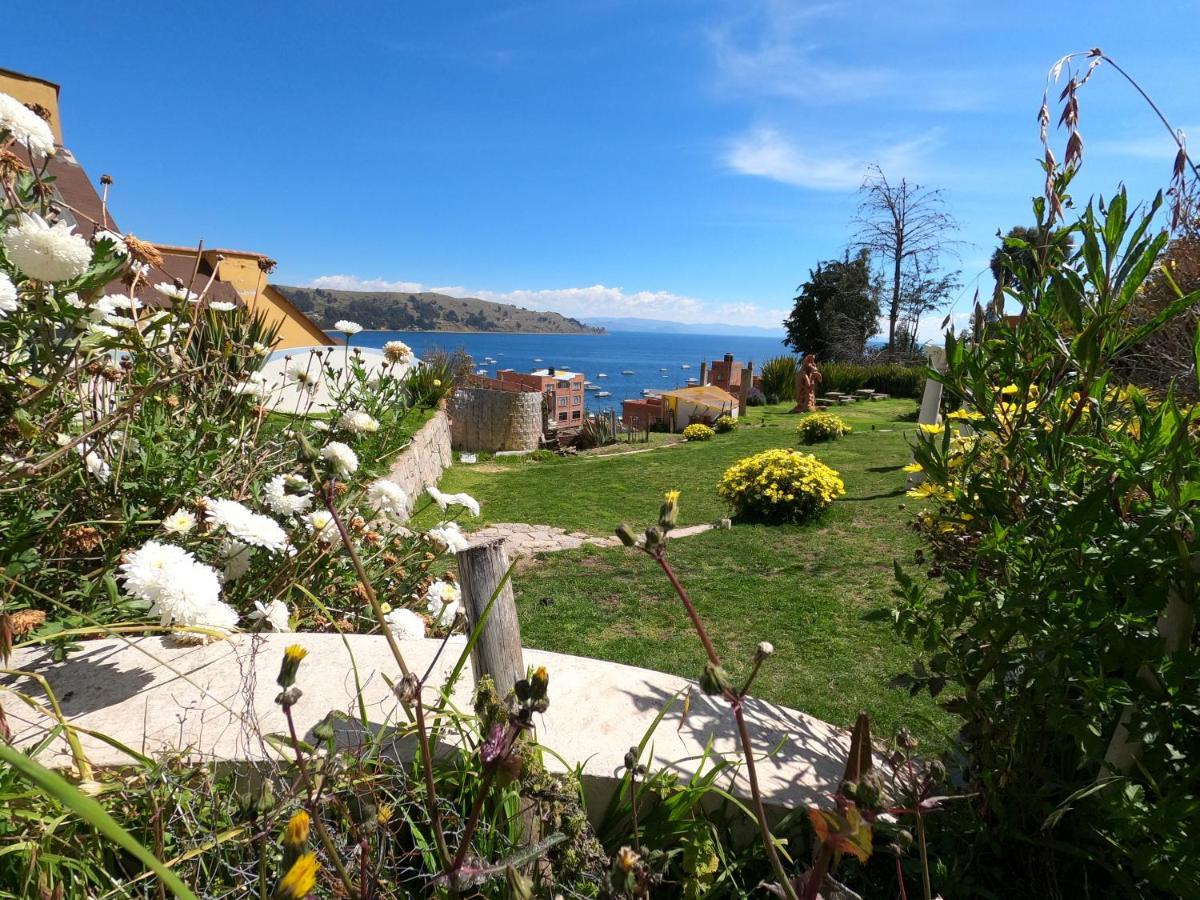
(925, 490)
(300, 879)
(671, 496)
(913, 467)
(626, 859)
(965, 415)
(296, 833)
(292, 655)
(386, 607)
(932, 429)
(1009, 389)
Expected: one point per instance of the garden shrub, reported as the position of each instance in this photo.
(755, 397)
(698, 431)
(1062, 517)
(817, 427)
(780, 486)
(893, 379)
(725, 424)
(778, 378)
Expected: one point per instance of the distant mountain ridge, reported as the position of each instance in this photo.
(664, 326)
(426, 311)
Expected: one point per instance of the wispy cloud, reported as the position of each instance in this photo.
(582, 302)
(767, 153)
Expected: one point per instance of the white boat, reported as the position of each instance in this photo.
(604, 394)
(693, 381)
(685, 366)
(588, 386)
(627, 372)
(646, 392)
(481, 372)
(537, 359)
(601, 375)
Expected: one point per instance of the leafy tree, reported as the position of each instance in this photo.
(836, 309)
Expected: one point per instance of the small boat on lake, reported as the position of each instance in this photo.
(589, 386)
(685, 366)
(601, 375)
(604, 394)
(693, 381)
(627, 372)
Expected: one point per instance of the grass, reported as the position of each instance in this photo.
(819, 592)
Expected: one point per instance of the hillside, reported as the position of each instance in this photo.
(426, 311)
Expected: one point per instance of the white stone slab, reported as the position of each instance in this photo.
(216, 702)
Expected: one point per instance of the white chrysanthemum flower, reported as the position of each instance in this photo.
(222, 306)
(358, 422)
(113, 238)
(466, 501)
(275, 615)
(304, 374)
(246, 525)
(343, 460)
(25, 126)
(319, 425)
(347, 327)
(254, 386)
(179, 522)
(388, 497)
(287, 495)
(103, 330)
(322, 526)
(44, 251)
(94, 463)
(397, 351)
(405, 624)
(449, 534)
(237, 557)
(181, 590)
(260, 349)
(172, 291)
(443, 600)
(73, 299)
(8, 296)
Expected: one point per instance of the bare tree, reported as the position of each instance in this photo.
(902, 223)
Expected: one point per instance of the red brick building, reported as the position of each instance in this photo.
(563, 391)
(726, 374)
(642, 414)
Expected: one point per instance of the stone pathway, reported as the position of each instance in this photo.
(521, 539)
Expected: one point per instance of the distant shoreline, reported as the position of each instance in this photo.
(467, 331)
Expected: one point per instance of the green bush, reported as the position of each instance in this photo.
(698, 431)
(780, 486)
(821, 426)
(778, 378)
(887, 378)
(725, 424)
(1063, 518)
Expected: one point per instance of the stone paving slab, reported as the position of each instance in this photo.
(522, 539)
(216, 702)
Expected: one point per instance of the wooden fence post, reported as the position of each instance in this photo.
(497, 652)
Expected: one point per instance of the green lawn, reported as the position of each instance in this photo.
(818, 592)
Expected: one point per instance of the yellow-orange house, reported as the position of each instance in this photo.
(236, 275)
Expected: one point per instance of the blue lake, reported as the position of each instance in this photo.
(656, 360)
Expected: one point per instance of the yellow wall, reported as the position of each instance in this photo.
(242, 271)
(28, 89)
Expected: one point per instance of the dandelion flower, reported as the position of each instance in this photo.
(179, 522)
(932, 429)
(345, 326)
(388, 497)
(8, 296)
(25, 126)
(405, 624)
(340, 457)
(913, 467)
(449, 534)
(287, 495)
(397, 351)
(44, 251)
(300, 879)
(274, 615)
(245, 525)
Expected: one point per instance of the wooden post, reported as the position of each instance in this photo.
(744, 388)
(498, 650)
(703, 373)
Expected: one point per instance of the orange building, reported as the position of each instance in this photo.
(565, 401)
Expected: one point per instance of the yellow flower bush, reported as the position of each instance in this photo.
(821, 426)
(780, 486)
(698, 431)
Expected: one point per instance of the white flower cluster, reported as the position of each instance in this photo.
(245, 525)
(179, 589)
(450, 535)
(405, 624)
(388, 497)
(466, 501)
(8, 296)
(274, 615)
(44, 251)
(340, 457)
(443, 599)
(25, 126)
(287, 495)
(358, 422)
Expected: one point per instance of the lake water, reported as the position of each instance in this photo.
(656, 361)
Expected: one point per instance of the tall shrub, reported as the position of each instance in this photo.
(779, 378)
(1064, 520)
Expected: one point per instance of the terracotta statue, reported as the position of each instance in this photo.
(807, 380)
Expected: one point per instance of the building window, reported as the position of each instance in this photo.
(564, 384)
(575, 415)
(575, 401)
(562, 417)
(562, 401)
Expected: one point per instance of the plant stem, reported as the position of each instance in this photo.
(925, 884)
(435, 815)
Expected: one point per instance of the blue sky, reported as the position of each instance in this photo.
(673, 159)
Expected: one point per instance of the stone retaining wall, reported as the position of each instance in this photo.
(487, 420)
(422, 462)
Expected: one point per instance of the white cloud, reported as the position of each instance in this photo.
(354, 283)
(767, 153)
(598, 300)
